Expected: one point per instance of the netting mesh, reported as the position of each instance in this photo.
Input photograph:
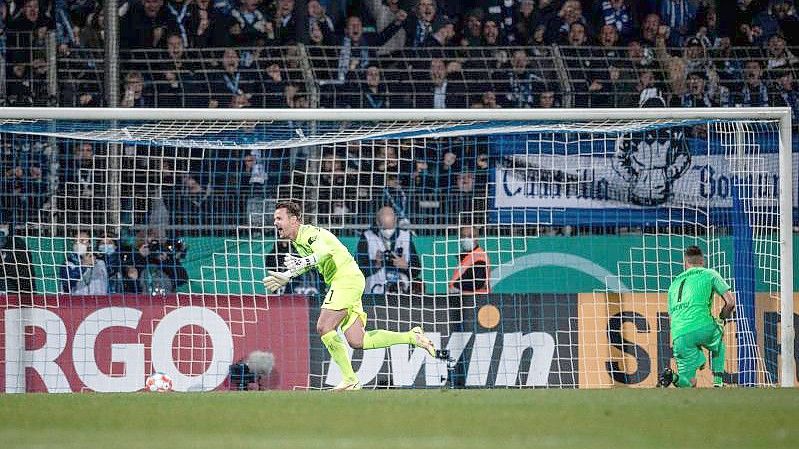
(158, 235)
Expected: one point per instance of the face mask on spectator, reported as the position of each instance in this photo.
(80, 248)
(467, 245)
(387, 233)
(107, 248)
(3, 237)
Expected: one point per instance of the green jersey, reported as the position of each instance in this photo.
(335, 263)
(691, 299)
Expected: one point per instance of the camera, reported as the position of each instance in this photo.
(389, 256)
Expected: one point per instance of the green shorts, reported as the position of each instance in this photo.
(688, 349)
(347, 298)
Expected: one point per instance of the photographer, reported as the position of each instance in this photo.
(167, 256)
(16, 274)
(140, 270)
(387, 255)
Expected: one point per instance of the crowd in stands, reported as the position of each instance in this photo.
(408, 53)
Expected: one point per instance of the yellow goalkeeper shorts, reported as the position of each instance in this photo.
(346, 298)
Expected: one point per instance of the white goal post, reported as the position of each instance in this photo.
(590, 118)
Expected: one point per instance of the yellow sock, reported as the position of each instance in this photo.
(382, 339)
(338, 352)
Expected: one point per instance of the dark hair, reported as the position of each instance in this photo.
(693, 255)
(291, 207)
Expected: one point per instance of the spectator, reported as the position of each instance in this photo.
(620, 14)
(676, 78)
(559, 27)
(778, 54)
(680, 17)
(770, 20)
(441, 36)
(491, 32)
(233, 82)
(443, 91)
(332, 181)
(385, 12)
(133, 96)
(91, 34)
(697, 95)
(285, 23)
(754, 92)
(488, 100)
(417, 26)
(473, 275)
(107, 251)
(521, 85)
(318, 19)
(206, 26)
(24, 191)
(447, 170)
(178, 18)
(307, 283)
(547, 100)
(784, 12)
(249, 25)
(644, 88)
(19, 85)
(652, 29)
(423, 181)
(127, 281)
(374, 92)
(736, 20)
(614, 63)
(695, 57)
(709, 29)
(525, 18)
(462, 199)
(394, 194)
(727, 65)
(82, 273)
(144, 25)
(589, 76)
(388, 256)
(39, 84)
(641, 56)
(786, 94)
(274, 86)
(27, 29)
(472, 35)
(355, 53)
(193, 204)
(16, 273)
(174, 81)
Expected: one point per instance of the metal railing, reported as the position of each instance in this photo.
(314, 76)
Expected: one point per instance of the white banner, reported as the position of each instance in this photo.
(599, 182)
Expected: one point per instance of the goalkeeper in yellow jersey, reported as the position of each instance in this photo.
(319, 248)
(693, 328)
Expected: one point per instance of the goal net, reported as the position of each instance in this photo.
(535, 249)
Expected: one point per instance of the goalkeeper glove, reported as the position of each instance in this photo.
(277, 280)
(298, 263)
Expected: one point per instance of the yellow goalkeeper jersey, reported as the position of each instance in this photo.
(336, 264)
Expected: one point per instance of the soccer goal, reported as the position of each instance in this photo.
(534, 247)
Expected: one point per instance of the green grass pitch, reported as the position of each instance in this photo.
(485, 419)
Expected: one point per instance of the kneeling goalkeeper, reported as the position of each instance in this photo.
(319, 248)
(693, 328)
